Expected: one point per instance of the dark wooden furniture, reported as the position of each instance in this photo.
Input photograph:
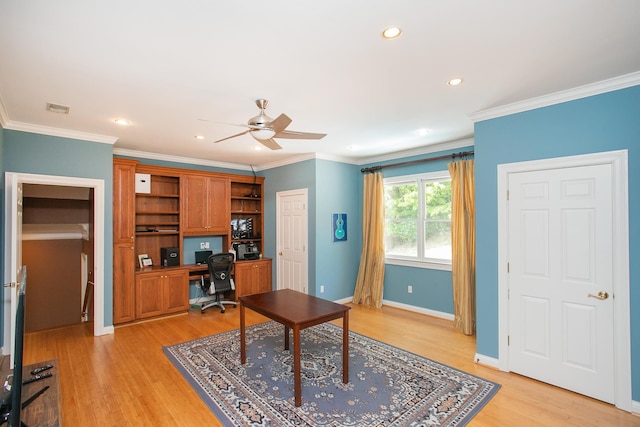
(44, 411)
(296, 311)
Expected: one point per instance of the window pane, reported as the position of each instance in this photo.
(401, 213)
(401, 201)
(438, 200)
(400, 238)
(437, 240)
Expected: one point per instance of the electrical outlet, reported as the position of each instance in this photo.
(204, 245)
(322, 289)
(410, 289)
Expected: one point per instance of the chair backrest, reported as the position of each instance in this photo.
(220, 266)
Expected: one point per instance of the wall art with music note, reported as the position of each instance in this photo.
(339, 227)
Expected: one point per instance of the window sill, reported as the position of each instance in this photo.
(418, 264)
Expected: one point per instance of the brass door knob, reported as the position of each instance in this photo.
(602, 295)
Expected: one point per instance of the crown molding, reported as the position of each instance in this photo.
(597, 88)
(62, 133)
(4, 116)
(179, 159)
(428, 149)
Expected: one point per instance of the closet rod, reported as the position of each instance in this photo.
(413, 162)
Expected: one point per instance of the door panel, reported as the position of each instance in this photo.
(292, 241)
(560, 253)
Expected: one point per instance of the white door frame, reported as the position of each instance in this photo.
(620, 234)
(12, 179)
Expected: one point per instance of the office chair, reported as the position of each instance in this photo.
(220, 280)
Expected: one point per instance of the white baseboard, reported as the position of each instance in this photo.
(491, 362)
(434, 313)
(344, 300)
(635, 407)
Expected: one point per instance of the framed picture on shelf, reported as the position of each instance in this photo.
(144, 261)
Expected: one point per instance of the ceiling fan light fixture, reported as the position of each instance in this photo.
(262, 134)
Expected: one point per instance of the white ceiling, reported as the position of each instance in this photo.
(177, 69)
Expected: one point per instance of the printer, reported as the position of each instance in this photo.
(246, 251)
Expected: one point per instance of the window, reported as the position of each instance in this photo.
(418, 220)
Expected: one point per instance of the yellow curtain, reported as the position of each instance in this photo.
(463, 245)
(371, 273)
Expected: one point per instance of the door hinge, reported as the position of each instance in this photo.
(508, 340)
(507, 194)
(508, 267)
(10, 285)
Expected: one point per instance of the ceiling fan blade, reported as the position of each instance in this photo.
(270, 143)
(233, 136)
(291, 134)
(280, 123)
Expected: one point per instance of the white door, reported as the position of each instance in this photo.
(291, 230)
(560, 246)
(13, 245)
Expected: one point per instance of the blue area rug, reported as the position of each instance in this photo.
(387, 386)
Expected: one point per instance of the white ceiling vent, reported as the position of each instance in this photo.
(56, 108)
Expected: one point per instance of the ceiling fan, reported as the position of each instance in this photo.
(263, 128)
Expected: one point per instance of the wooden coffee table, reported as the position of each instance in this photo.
(296, 311)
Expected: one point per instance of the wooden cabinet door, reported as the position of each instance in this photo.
(205, 205)
(252, 277)
(123, 283)
(124, 199)
(176, 291)
(194, 203)
(161, 292)
(218, 213)
(149, 295)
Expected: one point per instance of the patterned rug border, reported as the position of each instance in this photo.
(228, 419)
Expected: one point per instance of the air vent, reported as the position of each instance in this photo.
(58, 109)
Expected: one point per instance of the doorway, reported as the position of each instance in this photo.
(57, 248)
(292, 240)
(563, 235)
(13, 239)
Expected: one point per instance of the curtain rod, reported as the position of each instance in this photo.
(412, 162)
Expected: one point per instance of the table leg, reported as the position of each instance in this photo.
(243, 350)
(296, 365)
(286, 337)
(345, 347)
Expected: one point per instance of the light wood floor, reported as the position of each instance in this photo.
(125, 378)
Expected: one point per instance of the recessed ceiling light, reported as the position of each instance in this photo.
(199, 137)
(123, 122)
(392, 33)
(455, 82)
(422, 131)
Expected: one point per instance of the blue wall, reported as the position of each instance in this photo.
(606, 122)
(337, 262)
(47, 155)
(285, 178)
